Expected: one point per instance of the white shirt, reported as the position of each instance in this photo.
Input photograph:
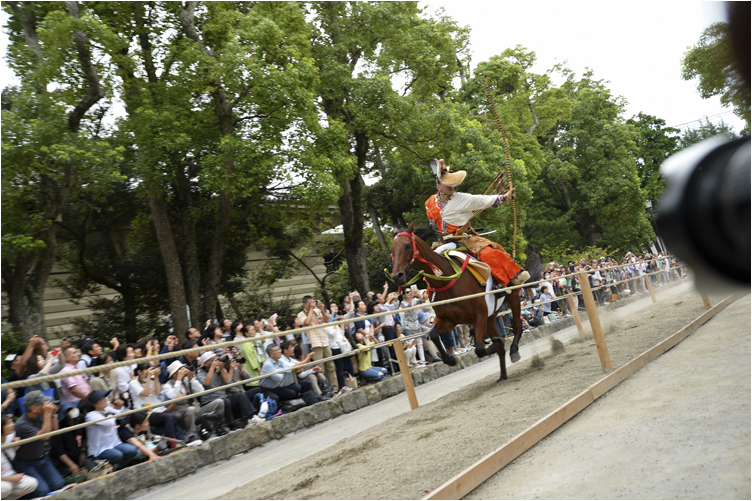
(123, 377)
(335, 333)
(100, 436)
(139, 400)
(459, 209)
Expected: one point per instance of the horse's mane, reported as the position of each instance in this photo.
(422, 232)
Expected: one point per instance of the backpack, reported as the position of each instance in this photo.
(272, 408)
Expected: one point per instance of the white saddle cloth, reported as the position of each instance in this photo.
(492, 303)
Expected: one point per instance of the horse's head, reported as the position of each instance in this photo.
(402, 254)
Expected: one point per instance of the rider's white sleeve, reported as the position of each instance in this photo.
(459, 209)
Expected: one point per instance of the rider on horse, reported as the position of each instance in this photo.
(450, 211)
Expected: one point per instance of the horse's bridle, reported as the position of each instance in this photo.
(437, 271)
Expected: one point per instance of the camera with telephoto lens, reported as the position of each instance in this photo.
(226, 358)
(240, 360)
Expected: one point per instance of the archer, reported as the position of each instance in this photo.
(450, 212)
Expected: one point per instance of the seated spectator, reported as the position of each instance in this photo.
(213, 375)
(410, 348)
(365, 369)
(33, 459)
(129, 430)
(281, 385)
(181, 383)
(152, 348)
(294, 356)
(170, 345)
(144, 389)
(66, 451)
(192, 334)
(237, 375)
(190, 360)
(545, 297)
(102, 441)
(14, 485)
(213, 335)
(8, 398)
(74, 388)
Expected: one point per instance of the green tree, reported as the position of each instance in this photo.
(705, 130)
(713, 63)
(361, 49)
(589, 187)
(51, 145)
(656, 143)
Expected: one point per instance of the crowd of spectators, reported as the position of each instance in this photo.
(40, 467)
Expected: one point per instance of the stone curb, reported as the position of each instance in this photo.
(123, 483)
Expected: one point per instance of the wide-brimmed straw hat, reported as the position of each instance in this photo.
(445, 175)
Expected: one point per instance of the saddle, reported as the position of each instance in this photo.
(480, 270)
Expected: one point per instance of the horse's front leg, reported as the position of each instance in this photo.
(498, 343)
(482, 330)
(441, 326)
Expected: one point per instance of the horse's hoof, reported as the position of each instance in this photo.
(502, 378)
(514, 357)
(450, 361)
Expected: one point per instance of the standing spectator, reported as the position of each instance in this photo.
(545, 297)
(312, 316)
(253, 353)
(103, 382)
(74, 387)
(14, 485)
(121, 376)
(102, 441)
(339, 345)
(33, 458)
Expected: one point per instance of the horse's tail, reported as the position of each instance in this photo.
(533, 265)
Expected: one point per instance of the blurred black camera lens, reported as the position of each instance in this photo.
(705, 212)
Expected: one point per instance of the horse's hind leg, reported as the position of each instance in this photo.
(514, 305)
(499, 344)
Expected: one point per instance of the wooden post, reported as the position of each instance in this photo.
(649, 283)
(575, 313)
(595, 322)
(705, 301)
(405, 371)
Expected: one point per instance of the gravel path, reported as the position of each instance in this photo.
(683, 429)
(410, 454)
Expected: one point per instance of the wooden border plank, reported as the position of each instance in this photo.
(482, 470)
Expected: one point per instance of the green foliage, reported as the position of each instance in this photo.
(12, 342)
(705, 130)
(563, 255)
(108, 320)
(254, 305)
(713, 63)
(656, 143)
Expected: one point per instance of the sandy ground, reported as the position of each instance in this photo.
(683, 429)
(408, 455)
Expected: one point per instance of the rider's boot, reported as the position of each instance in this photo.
(520, 278)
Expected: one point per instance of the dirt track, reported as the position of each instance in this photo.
(411, 454)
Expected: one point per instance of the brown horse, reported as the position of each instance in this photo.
(409, 250)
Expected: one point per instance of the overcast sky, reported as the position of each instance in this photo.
(636, 46)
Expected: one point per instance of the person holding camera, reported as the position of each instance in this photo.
(102, 440)
(145, 389)
(312, 316)
(213, 374)
(182, 383)
(33, 459)
(14, 485)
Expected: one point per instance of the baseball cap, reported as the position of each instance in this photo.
(97, 395)
(35, 397)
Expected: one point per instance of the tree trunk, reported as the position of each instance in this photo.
(189, 247)
(377, 228)
(351, 211)
(173, 270)
(219, 249)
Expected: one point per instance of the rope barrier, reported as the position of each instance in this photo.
(212, 347)
(226, 344)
